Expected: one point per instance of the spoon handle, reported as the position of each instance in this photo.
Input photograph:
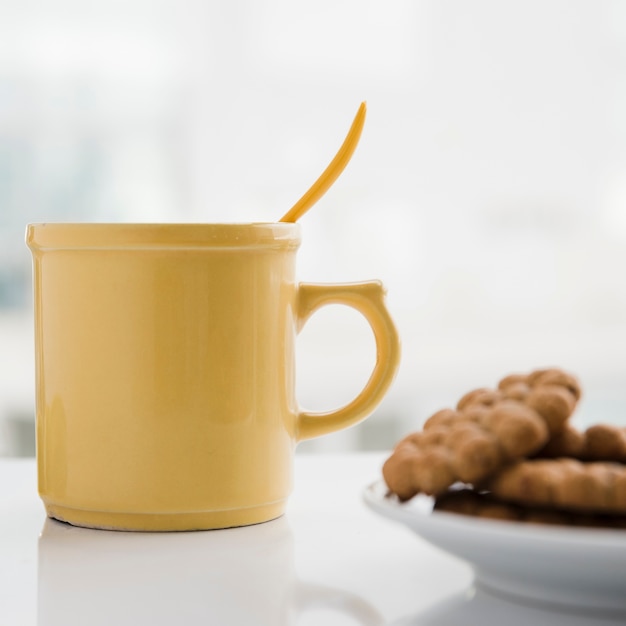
(332, 172)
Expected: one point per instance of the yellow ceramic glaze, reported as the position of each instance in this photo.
(165, 371)
(332, 172)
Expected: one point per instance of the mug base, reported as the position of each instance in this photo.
(166, 522)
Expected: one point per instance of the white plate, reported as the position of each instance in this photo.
(572, 567)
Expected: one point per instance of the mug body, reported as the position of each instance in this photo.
(165, 372)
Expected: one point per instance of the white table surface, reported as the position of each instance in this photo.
(329, 561)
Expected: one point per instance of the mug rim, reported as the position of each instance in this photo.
(135, 235)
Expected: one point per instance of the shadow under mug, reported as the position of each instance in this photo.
(165, 371)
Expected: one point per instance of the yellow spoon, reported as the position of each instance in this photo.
(332, 172)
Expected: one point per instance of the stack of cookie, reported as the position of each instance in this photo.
(512, 453)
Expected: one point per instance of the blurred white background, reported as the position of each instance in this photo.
(488, 191)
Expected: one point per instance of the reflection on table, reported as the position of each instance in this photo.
(234, 576)
(480, 606)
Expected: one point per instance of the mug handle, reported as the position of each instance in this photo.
(369, 299)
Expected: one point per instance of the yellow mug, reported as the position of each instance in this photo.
(165, 374)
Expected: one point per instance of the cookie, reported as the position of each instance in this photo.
(567, 484)
(569, 442)
(558, 377)
(488, 429)
(553, 393)
(605, 442)
(600, 442)
(487, 506)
